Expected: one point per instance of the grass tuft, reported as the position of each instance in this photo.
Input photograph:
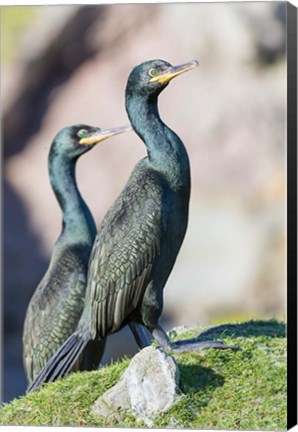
(219, 389)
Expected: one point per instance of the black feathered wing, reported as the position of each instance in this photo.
(51, 318)
(55, 310)
(124, 253)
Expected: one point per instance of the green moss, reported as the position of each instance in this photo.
(219, 389)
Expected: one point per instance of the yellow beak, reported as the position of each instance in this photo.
(173, 71)
(104, 134)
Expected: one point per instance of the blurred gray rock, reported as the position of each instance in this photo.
(147, 387)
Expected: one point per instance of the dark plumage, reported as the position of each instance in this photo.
(56, 305)
(140, 237)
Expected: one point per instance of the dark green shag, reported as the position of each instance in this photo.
(57, 304)
(140, 237)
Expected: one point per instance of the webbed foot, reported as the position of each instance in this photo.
(187, 345)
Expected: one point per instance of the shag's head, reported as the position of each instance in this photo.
(150, 78)
(78, 139)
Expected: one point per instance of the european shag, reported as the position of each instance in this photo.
(140, 237)
(56, 305)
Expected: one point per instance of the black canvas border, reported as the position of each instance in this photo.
(292, 213)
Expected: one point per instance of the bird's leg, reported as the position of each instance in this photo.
(140, 335)
(186, 345)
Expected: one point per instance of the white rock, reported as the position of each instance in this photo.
(147, 387)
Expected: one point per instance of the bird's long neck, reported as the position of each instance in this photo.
(78, 223)
(166, 152)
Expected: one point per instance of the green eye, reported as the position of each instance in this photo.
(83, 133)
(153, 72)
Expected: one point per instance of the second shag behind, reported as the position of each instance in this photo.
(57, 303)
(141, 235)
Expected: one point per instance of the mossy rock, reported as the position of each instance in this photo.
(220, 389)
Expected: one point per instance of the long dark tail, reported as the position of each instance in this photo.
(62, 361)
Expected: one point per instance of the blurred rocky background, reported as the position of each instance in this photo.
(63, 65)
